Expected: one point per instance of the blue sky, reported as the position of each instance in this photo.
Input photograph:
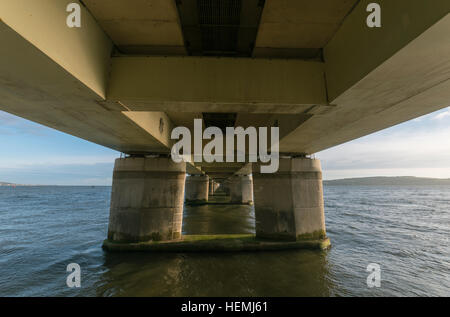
(34, 154)
(420, 147)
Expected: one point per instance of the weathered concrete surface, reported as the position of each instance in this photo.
(241, 189)
(197, 189)
(225, 187)
(216, 243)
(224, 82)
(44, 82)
(146, 200)
(211, 187)
(83, 52)
(299, 28)
(377, 78)
(140, 26)
(289, 204)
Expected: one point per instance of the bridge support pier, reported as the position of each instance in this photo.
(146, 200)
(225, 187)
(197, 188)
(289, 204)
(211, 187)
(216, 186)
(241, 189)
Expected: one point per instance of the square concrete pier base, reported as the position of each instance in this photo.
(197, 189)
(241, 189)
(146, 200)
(216, 243)
(289, 203)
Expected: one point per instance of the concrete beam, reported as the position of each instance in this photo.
(193, 170)
(234, 165)
(57, 76)
(160, 126)
(140, 26)
(83, 52)
(356, 50)
(378, 78)
(245, 170)
(219, 176)
(299, 28)
(218, 169)
(157, 124)
(237, 84)
(222, 170)
(35, 87)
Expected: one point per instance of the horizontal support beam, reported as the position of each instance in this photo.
(36, 87)
(57, 76)
(412, 82)
(221, 170)
(219, 176)
(83, 52)
(246, 170)
(159, 126)
(193, 170)
(243, 84)
(356, 50)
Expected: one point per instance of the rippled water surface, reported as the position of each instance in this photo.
(405, 230)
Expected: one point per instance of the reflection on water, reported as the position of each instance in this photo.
(218, 219)
(238, 274)
(404, 229)
(216, 274)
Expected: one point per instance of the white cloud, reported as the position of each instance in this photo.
(11, 124)
(413, 149)
(442, 115)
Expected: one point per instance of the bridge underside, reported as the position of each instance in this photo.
(132, 73)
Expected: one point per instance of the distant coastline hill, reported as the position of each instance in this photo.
(386, 181)
(363, 181)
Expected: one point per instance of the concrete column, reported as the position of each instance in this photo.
(235, 189)
(225, 187)
(289, 203)
(146, 200)
(211, 187)
(241, 189)
(197, 189)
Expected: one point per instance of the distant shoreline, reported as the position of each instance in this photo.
(362, 181)
(21, 185)
(387, 181)
(3, 184)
